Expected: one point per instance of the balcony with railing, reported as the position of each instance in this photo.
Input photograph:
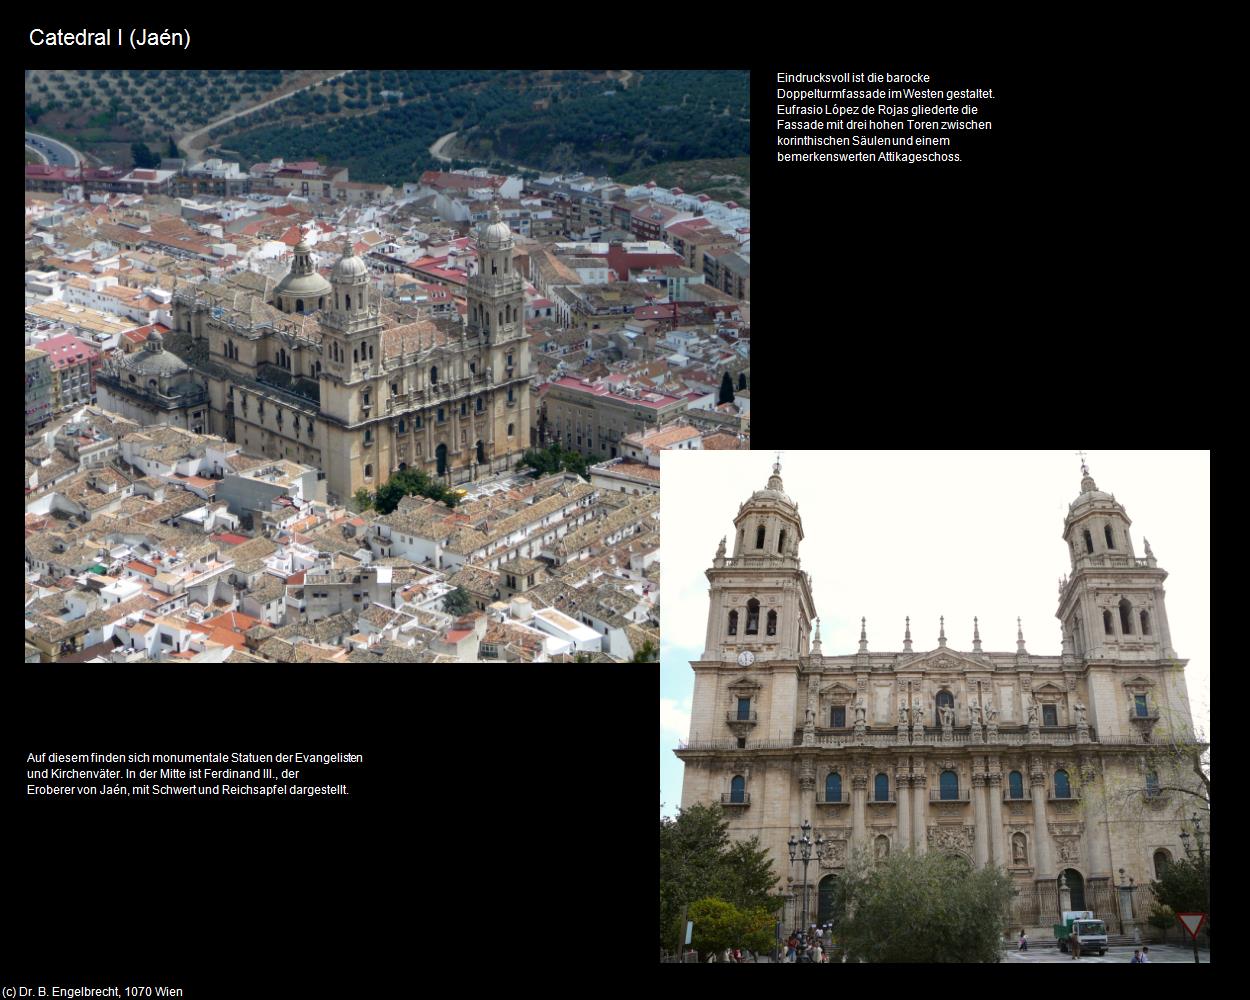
(742, 718)
(742, 799)
(845, 800)
(1072, 796)
(1026, 795)
(890, 800)
(937, 795)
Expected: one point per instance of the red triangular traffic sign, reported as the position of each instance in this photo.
(1192, 922)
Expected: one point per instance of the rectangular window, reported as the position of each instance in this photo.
(1050, 715)
(1140, 702)
(839, 717)
(744, 708)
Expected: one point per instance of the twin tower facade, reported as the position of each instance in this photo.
(1049, 766)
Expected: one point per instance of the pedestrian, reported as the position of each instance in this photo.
(1136, 956)
(1024, 941)
(792, 946)
(816, 952)
(1074, 943)
(711, 956)
(1145, 955)
(728, 955)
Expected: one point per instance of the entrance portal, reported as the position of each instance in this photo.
(824, 912)
(441, 454)
(1076, 885)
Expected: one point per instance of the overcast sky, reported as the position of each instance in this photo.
(889, 534)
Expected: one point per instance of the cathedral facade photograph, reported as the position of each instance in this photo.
(1052, 757)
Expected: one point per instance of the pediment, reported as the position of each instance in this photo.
(1139, 681)
(836, 688)
(1049, 689)
(943, 660)
(744, 685)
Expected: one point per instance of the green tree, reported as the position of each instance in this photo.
(1162, 918)
(726, 390)
(697, 861)
(931, 907)
(362, 499)
(173, 149)
(646, 654)
(457, 602)
(758, 931)
(143, 156)
(717, 925)
(1183, 887)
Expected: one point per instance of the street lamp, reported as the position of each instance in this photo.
(801, 850)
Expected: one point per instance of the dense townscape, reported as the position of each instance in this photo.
(276, 415)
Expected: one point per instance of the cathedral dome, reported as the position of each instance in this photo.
(350, 267)
(497, 232)
(302, 280)
(154, 359)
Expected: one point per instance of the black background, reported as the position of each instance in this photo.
(492, 803)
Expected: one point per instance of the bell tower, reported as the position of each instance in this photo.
(761, 601)
(351, 325)
(1112, 606)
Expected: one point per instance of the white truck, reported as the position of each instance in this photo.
(1091, 933)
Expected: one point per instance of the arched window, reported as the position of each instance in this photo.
(733, 623)
(1089, 543)
(510, 430)
(1162, 860)
(1015, 785)
(321, 302)
(949, 785)
(481, 453)
(833, 788)
(759, 537)
(781, 541)
(1106, 623)
(369, 471)
(1062, 789)
(402, 425)
(434, 375)
(348, 299)
(1145, 623)
(753, 617)
(944, 699)
(1126, 616)
(1106, 530)
(742, 381)
(299, 305)
(881, 788)
(772, 623)
(355, 354)
(738, 789)
(1152, 783)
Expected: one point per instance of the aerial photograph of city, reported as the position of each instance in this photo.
(372, 365)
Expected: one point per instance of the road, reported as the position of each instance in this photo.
(56, 153)
(186, 143)
(436, 150)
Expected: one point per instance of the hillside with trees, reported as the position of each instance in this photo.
(570, 120)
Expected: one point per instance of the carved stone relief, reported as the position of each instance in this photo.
(951, 838)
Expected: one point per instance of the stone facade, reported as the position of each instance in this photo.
(1041, 764)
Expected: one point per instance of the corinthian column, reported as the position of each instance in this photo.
(902, 792)
(996, 817)
(981, 845)
(1041, 835)
(920, 812)
(859, 789)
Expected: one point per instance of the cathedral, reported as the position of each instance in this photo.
(1048, 766)
(329, 374)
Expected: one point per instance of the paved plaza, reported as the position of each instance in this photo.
(1118, 953)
